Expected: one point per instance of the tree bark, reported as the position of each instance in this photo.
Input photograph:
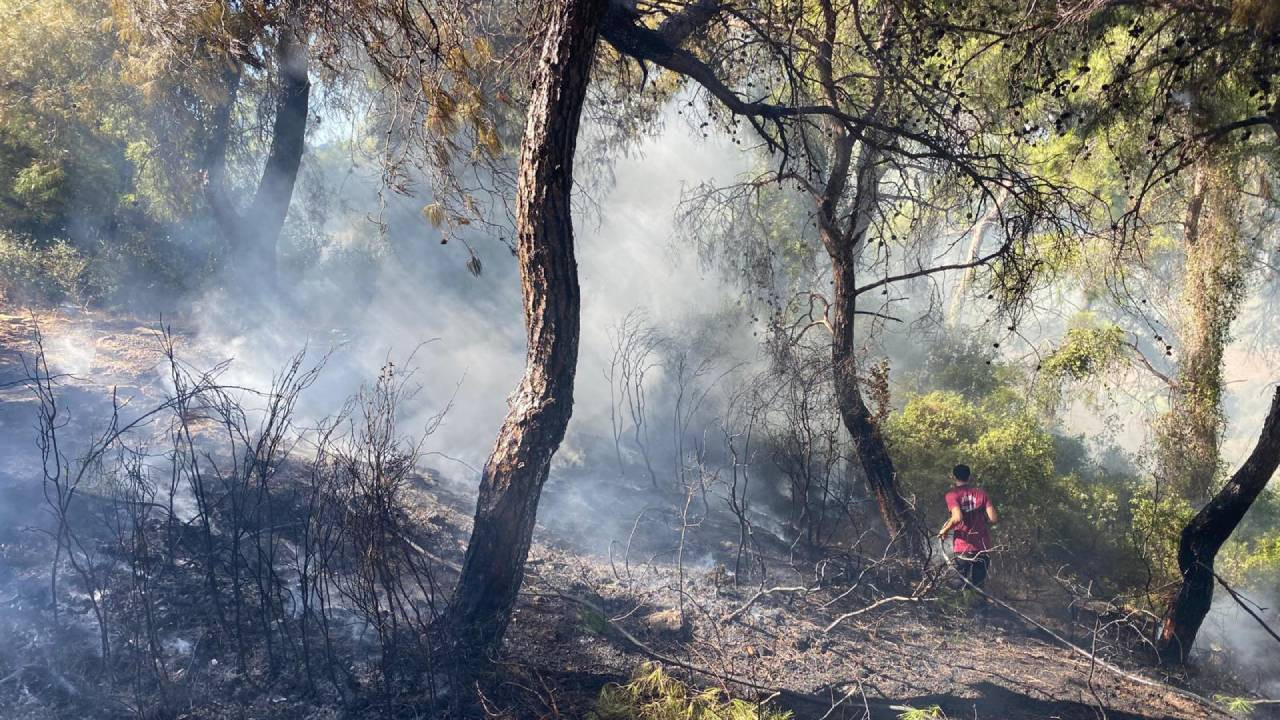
(868, 443)
(843, 244)
(514, 474)
(1189, 435)
(1205, 535)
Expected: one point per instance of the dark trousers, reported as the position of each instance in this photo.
(973, 566)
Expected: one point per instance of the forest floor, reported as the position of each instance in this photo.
(615, 578)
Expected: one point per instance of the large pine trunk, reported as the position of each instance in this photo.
(1205, 534)
(513, 476)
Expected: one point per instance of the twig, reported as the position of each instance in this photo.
(1142, 358)
(660, 656)
(1093, 690)
(855, 689)
(872, 606)
(654, 654)
(762, 593)
(1240, 601)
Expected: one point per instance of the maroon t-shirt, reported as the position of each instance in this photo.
(971, 535)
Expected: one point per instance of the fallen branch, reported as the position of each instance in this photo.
(762, 593)
(431, 556)
(872, 606)
(836, 705)
(1186, 694)
(722, 677)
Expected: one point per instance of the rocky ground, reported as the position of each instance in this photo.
(610, 584)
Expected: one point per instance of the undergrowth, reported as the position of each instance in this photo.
(653, 694)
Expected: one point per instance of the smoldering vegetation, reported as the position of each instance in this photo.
(221, 551)
(210, 528)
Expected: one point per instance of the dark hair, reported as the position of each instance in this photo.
(961, 472)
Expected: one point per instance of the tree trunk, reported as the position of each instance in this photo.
(266, 215)
(251, 237)
(1205, 534)
(843, 243)
(844, 238)
(960, 293)
(513, 476)
(1188, 436)
(868, 443)
(215, 158)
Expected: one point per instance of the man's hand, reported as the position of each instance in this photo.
(951, 522)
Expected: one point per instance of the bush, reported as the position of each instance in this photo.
(1157, 527)
(1054, 503)
(53, 273)
(1251, 558)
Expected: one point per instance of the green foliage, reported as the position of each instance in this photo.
(1089, 351)
(593, 622)
(1259, 561)
(932, 712)
(1251, 558)
(39, 185)
(1010, 452)
(652, 694)
(1085, 352)
(1053, 498)
(962, 363)
(959, 602)
(90, 209)
(1157, 527)
(63, 114)
(1241, 706)
(55, 273)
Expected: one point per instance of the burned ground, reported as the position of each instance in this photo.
(631, 575)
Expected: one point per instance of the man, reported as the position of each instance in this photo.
(972, 515)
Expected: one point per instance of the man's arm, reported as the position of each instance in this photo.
(952, 521)
(992, 516)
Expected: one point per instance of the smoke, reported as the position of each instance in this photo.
(372, 292)
(1234, 637)
(367, 281)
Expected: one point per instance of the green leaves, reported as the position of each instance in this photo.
(1047, 487)
(41, 185)
(1086, 352)
(652, 694)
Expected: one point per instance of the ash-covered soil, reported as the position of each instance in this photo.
(619, 573)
